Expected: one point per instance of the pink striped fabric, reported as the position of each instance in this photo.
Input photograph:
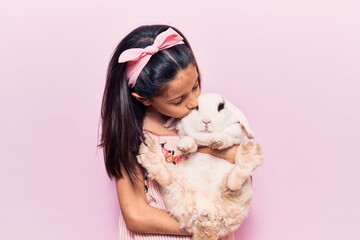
(154, 198)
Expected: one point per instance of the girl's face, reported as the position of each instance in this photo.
(180, 95)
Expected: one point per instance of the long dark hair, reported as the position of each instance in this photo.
(122, 115)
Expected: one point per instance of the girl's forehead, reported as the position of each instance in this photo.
(183, 82)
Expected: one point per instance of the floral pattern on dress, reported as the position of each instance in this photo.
(170, 157)
(146, 182)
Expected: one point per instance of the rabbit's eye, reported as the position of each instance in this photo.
(221, 106)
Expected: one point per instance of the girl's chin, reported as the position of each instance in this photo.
(187, 113)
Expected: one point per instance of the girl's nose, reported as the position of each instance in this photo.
(193, 103)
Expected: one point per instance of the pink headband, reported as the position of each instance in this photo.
(137, 58)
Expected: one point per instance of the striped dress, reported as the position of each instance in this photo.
(168, 144)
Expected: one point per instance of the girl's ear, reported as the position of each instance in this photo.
(141, 99)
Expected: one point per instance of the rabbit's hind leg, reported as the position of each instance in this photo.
(247, 159)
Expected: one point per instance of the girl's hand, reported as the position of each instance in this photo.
(228, 154)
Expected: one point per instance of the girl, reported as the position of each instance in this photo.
(152, 76)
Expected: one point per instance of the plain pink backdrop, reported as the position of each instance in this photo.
(293, 67)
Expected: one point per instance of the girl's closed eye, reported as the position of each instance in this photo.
(196, 85)
(179, 101)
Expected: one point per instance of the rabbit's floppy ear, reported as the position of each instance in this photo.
(170, 124)
(242, 120)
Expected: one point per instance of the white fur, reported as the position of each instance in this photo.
(209, 196)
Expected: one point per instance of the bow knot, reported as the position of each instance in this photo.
(151, 49)
(137, 58)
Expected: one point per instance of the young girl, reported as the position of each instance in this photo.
(152, 76)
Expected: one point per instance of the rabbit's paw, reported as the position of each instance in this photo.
(220, 141)
(161, 174)
(187, 145)
(149, 153)
(250, 153)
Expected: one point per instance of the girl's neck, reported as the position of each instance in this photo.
(154, 122)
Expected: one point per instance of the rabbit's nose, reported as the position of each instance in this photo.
(206, 121)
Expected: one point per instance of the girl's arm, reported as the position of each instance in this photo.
(227, 154)
(138, 214)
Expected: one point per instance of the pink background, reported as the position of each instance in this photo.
(293, 67)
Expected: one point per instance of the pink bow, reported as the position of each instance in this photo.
(137, 58)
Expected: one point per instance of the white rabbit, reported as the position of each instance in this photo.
(209, 196)
(219, 125)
